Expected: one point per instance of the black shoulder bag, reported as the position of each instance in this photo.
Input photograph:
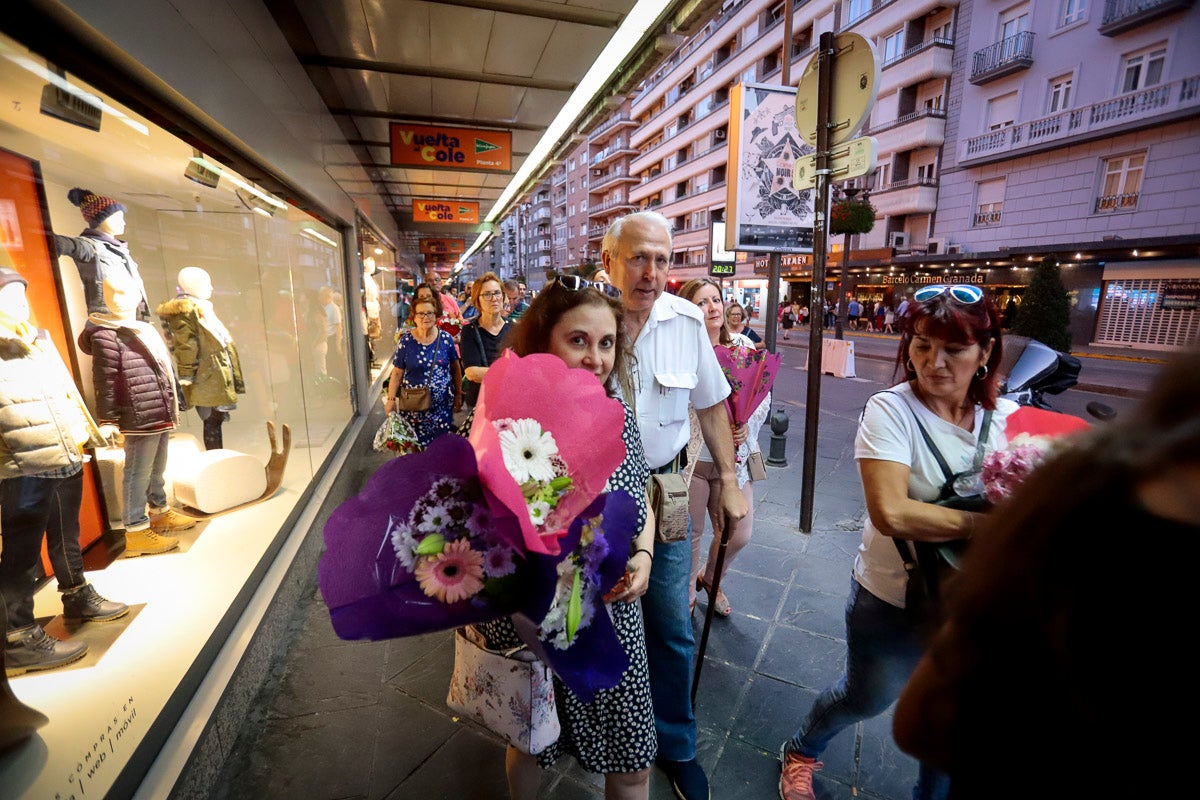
(930, 564)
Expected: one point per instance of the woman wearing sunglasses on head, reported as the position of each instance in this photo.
(580, 322)
(948, 355)
(426, 356)
(482, 338)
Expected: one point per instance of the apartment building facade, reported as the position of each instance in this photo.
(1075, 133)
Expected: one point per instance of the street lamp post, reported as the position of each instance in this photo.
(839, 325)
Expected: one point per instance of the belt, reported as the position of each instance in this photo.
(676, 464)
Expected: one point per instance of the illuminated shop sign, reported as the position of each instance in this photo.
(432, 146)
(429, 210)
(441, 247)
(899, 280)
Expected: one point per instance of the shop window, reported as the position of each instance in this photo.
(1120, 183)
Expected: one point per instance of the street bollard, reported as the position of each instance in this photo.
(779, 426)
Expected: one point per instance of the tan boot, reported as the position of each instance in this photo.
(171, 520)
(148, 542)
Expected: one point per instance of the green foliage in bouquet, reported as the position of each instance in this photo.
(851, 216)
(1045, 312)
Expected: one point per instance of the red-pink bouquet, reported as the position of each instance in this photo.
(1034, 435)
(547, 438)
(750, 373)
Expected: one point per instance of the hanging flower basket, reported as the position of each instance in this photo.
(851, 216)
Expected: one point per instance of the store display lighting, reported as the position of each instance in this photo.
(1135, 253)
(238, 182)
(312, 234)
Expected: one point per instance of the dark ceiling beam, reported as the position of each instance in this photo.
(435, 120)
(559, 12)
(393, 68)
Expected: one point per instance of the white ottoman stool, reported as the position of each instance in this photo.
(214, 480)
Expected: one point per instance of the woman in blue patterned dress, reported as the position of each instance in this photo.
(426, 356)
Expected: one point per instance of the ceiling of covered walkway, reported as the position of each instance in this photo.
(536, 68)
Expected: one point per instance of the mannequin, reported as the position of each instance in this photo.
(372, 326)
(17, 720)
(206, 359)
(44, 427)
(135, 390)
(97, 251)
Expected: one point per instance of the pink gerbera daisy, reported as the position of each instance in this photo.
(452, 575)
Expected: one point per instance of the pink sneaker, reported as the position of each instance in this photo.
(796, 781)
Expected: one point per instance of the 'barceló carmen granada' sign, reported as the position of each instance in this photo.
(428, 210)
(451, 148)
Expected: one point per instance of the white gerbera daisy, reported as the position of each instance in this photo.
(527, 451)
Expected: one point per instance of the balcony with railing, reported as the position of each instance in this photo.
(1123, 15)
(617, 148)
(610, 125)
(922, 128)
(610, 204)
(906, 196)
(1123, 111)
(1005, 57)
(985, 217)
(606, 180)
(1115, 203)
(930, 59)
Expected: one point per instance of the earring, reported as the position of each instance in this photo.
(981, 373)
(908, 365)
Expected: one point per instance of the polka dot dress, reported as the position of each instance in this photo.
(429, 365)
(614, 732)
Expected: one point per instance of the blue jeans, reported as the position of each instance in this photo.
(145, 463)
(882, 649)
(671, 648)
(30, 506)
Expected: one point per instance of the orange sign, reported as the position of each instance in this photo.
(451, 148)
(443, 247)
(428, 210)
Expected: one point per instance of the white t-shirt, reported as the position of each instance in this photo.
(675, 364)
(333, 318)
(888, 432)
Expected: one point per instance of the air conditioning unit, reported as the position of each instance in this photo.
(596, 173)
(936, 245)
(719, 135)
(953, 249)
(898, 240)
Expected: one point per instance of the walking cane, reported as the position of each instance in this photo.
(708, 614)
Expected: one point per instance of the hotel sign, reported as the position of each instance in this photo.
(430, 210)
(434, 147)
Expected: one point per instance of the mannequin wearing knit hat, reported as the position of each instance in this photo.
(44, 428)
(206, 359)
(97, 252)
(135, 390)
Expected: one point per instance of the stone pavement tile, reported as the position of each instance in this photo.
(332, 678)
(782, 533)
(285, 764)
(835, 544)
(402, 653)
(748, 595)
(736, 640)
(317, 630)
(831, 577)
(408, 732)
(469, 766)
(883, 768)
(722, 687)
(802, 658)
(428, 678)
(816, 612)
(562, 787)
(766, 562)
(583, 780)
(745, 771)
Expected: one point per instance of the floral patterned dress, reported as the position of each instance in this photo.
(429, 365)
(614, 732)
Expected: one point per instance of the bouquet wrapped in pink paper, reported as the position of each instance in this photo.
(1034, 434)
(750, 373)
(547, 439)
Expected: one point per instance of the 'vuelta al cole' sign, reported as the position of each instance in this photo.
(433, 146)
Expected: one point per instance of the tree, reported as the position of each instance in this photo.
(1045, 312)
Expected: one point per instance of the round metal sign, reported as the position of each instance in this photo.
(855, 80)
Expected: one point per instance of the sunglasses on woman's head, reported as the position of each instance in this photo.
(963, 293)
(575, 283)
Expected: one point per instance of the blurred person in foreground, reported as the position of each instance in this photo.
(580, 322)
(949, 356)
(704, 485)
(675, 365)
(1050, 634)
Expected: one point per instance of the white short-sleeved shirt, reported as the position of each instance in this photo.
(675, 364)
(333, 318)
(888, 432)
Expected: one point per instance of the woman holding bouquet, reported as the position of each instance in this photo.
(949, 355)
(704, 486)
(426, 356)
(580, 322)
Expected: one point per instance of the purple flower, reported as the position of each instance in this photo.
(498, 561)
